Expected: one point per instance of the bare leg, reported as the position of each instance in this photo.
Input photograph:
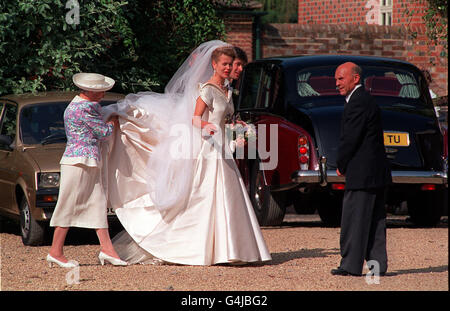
(105, 242)
(56, 250)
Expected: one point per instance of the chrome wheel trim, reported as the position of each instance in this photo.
(259, 197)
(25, 221)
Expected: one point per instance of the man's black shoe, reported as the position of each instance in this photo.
(380, 274)
(340, 271)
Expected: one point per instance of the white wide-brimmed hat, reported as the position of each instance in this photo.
(93, 82)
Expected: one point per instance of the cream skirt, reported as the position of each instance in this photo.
(82, 199)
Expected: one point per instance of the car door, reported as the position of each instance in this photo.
(253, 89)
(260, 103)
(257, 105)
(8, 121)
(248, 95)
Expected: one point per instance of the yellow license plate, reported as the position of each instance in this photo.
(396, 139)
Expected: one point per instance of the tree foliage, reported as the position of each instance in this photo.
(280, 11)
(138, 43)
(170, 30)
(436, 21)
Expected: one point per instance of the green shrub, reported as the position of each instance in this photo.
(138, 43)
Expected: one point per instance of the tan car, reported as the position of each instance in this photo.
(32, 141)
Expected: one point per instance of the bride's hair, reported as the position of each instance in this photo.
(223, 50)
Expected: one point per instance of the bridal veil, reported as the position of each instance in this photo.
(159, 125)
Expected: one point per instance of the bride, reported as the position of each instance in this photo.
(172, 180)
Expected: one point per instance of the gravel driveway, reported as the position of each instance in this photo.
(303, 253)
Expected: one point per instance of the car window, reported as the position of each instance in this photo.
(39, 121)
(252, 81)
(263, 100)
(44, 122)
(8, 120)
(104, 103)
(259, 87)
(379, 81)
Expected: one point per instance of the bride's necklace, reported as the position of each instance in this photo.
(222, 85)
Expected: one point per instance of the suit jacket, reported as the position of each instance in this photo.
(361, 153)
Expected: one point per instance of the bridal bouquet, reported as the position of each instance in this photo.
(242, 133)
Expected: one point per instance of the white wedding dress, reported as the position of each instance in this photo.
(212, 223)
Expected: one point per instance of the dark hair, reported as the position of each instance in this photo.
(223, 50)
(240, 53)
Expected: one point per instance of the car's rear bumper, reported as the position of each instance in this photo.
(398, 177)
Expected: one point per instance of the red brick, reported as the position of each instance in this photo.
(325, 36)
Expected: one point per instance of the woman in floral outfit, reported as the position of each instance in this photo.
(82, 199)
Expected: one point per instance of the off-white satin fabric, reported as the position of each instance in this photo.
(218, 224)
(125, 157)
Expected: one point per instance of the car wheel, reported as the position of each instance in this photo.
(269, 207)
(303, 203)
(32, 231)
(329, 207)
(426, 207)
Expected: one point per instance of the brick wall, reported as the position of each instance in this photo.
(384, 41)
(401, 19)
(331, 11)
(356, 11)
(240, 32)
(350, 35)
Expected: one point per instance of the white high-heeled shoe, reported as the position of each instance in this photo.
(114, 261)
(51, 260)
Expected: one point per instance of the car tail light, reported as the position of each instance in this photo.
(428, 187)
(50, 198)
(304, 160)
(302, 140)
(338, 186)
(303, 152)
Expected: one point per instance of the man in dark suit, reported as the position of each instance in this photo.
(238, 66)
(362, 160)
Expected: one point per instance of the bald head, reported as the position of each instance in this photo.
(347, 76)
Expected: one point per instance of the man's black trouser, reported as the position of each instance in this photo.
(363, 229)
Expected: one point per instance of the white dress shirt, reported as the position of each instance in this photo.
(347, 98)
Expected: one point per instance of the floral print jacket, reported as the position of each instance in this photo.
(85, 128)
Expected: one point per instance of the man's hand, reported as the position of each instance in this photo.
(339, 173)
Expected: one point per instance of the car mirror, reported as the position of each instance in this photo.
(6, 141)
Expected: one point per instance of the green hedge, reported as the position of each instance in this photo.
(138, 43)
